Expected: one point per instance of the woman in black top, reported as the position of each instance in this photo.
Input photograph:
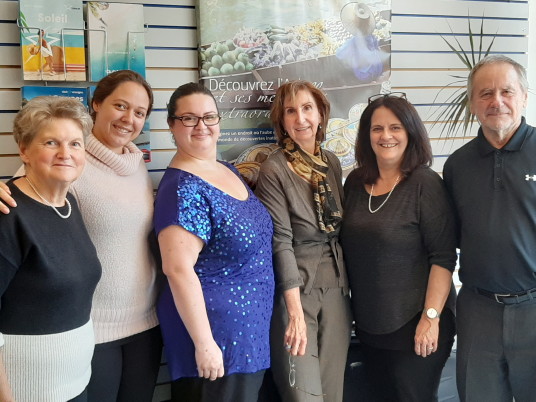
(48, 265)
(398, 239)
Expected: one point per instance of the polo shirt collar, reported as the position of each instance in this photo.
(515, 143)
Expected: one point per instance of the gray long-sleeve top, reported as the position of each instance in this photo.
(303, 255)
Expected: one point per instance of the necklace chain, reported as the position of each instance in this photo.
(384, 201)
(49, 203)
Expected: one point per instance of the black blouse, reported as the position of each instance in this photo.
(389, 253)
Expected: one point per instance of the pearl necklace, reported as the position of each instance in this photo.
(48, 203)
(384, 201)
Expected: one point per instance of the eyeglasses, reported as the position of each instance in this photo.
(389, 95)
(292, 377)
(192, 121)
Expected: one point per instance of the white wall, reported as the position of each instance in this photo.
(422, 62)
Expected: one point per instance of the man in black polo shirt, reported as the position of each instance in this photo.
(492, 181)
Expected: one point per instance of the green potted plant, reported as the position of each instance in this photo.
(457, 114)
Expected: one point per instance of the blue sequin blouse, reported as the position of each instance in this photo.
(234, 268)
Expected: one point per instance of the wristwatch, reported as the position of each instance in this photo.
(432, 313)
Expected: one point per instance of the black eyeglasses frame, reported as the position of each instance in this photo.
(199, 118)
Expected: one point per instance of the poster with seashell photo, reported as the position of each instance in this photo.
(342, 47)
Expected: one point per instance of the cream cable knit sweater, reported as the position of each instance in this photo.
(115, 196)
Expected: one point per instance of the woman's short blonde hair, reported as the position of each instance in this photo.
(40, 111)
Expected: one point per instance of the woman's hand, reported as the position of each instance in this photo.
(296, 332)
(209, 360)
(5, 389)
(437, 291)
(5, 198)
(6, 396)
(426, 336)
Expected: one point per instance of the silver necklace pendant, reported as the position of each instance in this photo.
(384, 201)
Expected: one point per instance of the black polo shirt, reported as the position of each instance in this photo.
(494, 192)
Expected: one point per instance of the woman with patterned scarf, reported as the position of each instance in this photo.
(301, 185)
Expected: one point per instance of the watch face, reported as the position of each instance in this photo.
(431, 313)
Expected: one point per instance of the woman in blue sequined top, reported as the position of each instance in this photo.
(215, 238)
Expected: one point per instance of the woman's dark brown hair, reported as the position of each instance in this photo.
(418, 151)
(182, 91)
(110, 83)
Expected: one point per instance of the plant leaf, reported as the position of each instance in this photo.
(459, 52)
(471, 43)
(457, 113)
(481, 38)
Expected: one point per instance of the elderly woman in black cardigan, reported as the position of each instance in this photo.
(48, 265)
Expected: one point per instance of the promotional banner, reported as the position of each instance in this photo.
(248, 48)
(52, 40)
(116, 38)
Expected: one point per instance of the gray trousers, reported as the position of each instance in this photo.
(319, 374)
(496, 356)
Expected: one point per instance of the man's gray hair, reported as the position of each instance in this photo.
(494, 59)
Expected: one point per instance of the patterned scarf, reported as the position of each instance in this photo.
(314, 169)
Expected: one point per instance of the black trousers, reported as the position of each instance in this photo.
(496, 356)
(402, 376)
(230, 388)
(126, 370)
